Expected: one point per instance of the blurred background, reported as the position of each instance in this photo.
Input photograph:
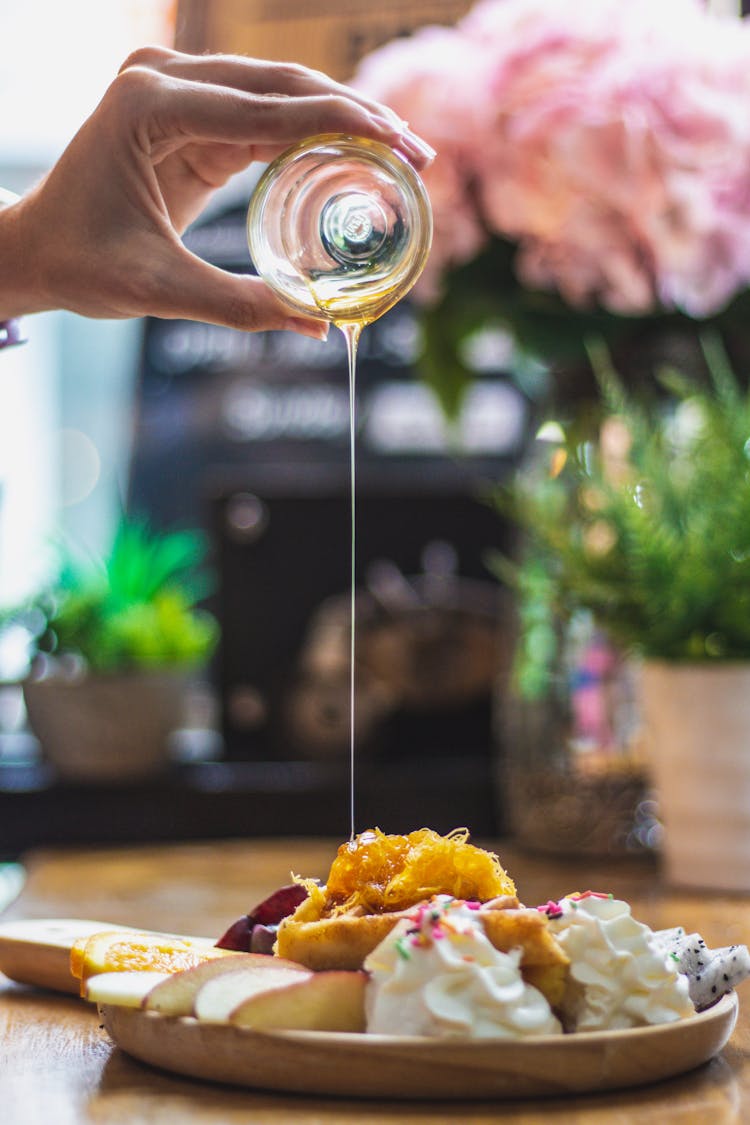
(176, 450)
(246, 438)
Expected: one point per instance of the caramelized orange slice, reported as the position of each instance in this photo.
(112, 951)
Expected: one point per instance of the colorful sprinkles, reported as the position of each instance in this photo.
(434, 921)
(553, 908)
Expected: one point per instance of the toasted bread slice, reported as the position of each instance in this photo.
(345, 941)
(342, 942)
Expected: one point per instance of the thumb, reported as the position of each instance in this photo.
(196, 290)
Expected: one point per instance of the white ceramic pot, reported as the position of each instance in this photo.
(106, 727)
(697, 721)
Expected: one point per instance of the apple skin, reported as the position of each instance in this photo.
(175, 996)
(326, 1001)
(218, 997)
(246, 990)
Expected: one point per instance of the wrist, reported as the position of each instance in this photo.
(21, 289)
(10, 330)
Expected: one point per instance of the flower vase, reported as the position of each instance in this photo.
(570, 772)
(697, 723)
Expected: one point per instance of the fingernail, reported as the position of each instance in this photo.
(416, 150)
(390, 124)
(418, 146)
(413, 147)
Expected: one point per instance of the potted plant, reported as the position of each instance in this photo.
(112, 642)
(644, 525)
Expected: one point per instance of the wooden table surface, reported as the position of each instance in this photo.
(58, 1068)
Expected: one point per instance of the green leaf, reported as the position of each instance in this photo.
(135, 608)
(656, 545)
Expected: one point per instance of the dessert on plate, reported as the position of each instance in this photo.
(376, 881)
(424, 935)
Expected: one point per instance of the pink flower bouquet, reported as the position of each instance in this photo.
(593, 176)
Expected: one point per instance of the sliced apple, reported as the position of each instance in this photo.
(175, 995)
(222, 994)
(127, 989)
(325, 1001)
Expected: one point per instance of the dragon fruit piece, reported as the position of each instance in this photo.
(710, 972)
(666, 939)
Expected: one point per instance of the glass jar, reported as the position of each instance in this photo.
(340, 227)
(571, 774)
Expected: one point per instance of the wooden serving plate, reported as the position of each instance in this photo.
(376, 1066)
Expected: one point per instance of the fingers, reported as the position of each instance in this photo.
(256, 76)
(199, 291)
(271, 104)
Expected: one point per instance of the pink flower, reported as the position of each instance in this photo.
(431, 80)
(609, 140)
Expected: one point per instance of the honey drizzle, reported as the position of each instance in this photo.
(352, 333)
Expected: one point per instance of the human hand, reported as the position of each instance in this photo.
(100, 235)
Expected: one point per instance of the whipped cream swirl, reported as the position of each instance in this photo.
(624, 979)
(437, 974)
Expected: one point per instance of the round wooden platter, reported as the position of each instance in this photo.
(376, 1066)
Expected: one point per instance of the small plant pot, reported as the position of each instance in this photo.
(697, 720)
(106, 727)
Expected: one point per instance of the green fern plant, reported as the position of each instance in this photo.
(645, 524)
(134, 608)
